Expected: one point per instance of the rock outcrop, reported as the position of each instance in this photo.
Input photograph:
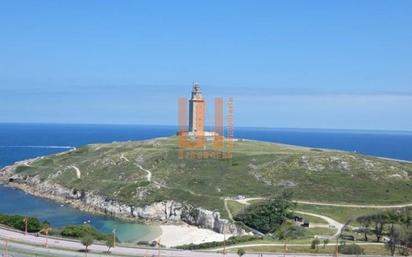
(208, 219)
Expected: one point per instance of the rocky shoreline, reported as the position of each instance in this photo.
(164, 212)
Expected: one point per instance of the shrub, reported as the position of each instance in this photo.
(241, 252)
(290, 231)
(231, 241)
(22, 168)
(17, 222)
(315, 244)
(79, 231)
(325, 242)
(144, 243)
(350, 249)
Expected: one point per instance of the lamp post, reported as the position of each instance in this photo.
(158, 248)
(25, 225)
(114, 237)
(6, 248)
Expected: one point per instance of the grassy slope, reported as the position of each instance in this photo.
(369, 249)
(257, 169)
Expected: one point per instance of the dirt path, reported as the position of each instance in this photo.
(229, 213)
(357, 205)
(332, 223)
(78, 172)
(372, 206)
(122, 157)
(149, 173)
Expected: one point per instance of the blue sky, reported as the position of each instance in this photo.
(300, 64)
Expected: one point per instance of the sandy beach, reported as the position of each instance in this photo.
(174, 235)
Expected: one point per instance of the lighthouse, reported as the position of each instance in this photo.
(196, 111)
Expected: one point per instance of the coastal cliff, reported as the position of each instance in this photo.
(167, 211)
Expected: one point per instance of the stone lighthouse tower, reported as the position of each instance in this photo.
(196, 111)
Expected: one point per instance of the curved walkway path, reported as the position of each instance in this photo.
(247, 200)
(372, 206)
(149, 173)
(332, 223)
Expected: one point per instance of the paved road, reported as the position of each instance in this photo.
(20, 243)
(59, 247)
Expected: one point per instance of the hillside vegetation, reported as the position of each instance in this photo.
(121, 171)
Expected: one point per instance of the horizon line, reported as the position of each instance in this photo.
(360, 130)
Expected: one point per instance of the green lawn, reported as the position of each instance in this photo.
(341, 214)
(312, 219)
(369, 249)
(234, 207)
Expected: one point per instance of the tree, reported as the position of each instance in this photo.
(396, 224)
(380, 221)
(315, 244)
(325, 242)
(365, 222)
(394, 232)
(241, 252)
(87, 241)
(110, 243)
(405, 241)
(394, 239)
(267, 216)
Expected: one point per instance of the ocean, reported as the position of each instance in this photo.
(23, 141)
